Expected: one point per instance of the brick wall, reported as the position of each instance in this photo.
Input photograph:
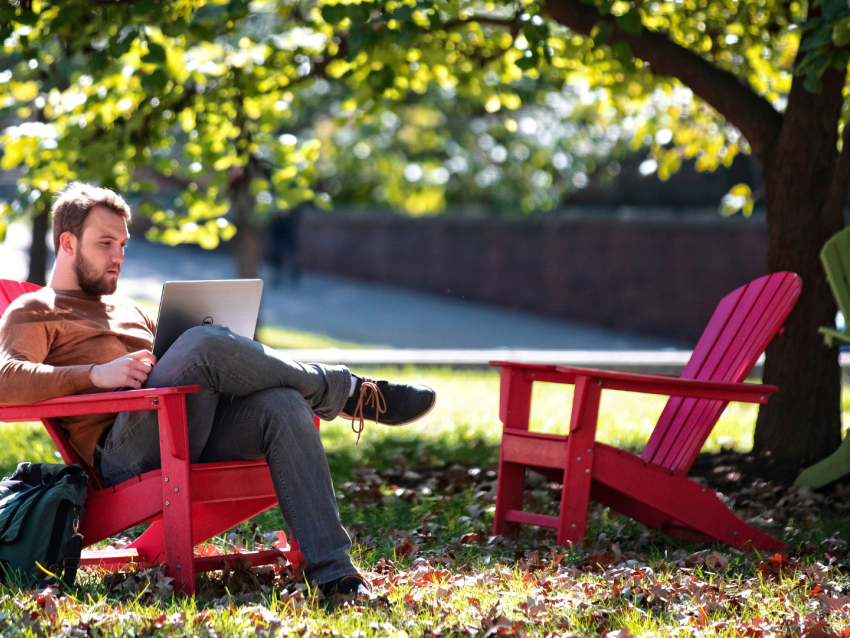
(657, 274)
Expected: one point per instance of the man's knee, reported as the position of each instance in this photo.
(285, 407)
(205, 340)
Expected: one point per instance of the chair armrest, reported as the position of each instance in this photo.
(547, 367)
(654, 384)
(97, 403)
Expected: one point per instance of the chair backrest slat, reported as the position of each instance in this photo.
(761, 331)
(729, 347)
(9, 291)
(740, 329)
(835, 257)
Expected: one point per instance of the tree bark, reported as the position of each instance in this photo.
(806, 191)
(248, 246)
(38, 249)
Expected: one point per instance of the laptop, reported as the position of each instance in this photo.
(233, 303)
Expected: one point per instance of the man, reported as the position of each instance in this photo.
(76, 337)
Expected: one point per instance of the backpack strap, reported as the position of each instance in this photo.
(73, 548)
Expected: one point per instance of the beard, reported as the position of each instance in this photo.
(89, 280)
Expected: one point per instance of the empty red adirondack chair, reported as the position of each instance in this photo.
(652, 488)
(185, 504)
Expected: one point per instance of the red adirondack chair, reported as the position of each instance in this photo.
(185, 504)
(652, 488)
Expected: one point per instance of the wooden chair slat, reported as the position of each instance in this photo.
(11, 290)
(835, 257)
(743, 325)
(764, 320)
(741, 345)
(715, 327)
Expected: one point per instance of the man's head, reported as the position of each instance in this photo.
(89, 234)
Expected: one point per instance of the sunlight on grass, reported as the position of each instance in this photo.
(467, 413)
(284, 338)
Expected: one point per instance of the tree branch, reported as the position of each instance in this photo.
(754, 116)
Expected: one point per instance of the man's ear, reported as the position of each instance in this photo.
(68, 243)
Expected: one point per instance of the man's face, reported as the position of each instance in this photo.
(100, 252)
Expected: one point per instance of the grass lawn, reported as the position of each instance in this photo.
(418, 501)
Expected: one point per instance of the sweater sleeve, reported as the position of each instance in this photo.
(24, 344)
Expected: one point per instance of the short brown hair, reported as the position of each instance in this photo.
(74, 204)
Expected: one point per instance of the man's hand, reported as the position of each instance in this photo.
(130, 371)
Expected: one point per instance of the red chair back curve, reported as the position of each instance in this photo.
(742, 325)
(9, 291)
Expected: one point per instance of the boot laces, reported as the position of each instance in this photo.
(371, 397)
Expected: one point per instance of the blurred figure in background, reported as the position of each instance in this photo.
(283, 248)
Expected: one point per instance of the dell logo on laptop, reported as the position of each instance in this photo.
(207, 321)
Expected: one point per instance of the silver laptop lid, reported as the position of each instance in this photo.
(233, 303)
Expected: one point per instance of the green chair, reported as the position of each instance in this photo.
(835, 257)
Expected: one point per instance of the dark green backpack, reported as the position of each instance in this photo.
(41, 506)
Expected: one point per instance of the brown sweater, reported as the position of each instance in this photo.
(50, 340)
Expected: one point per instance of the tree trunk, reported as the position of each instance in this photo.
(248, 248)
(802, 422)
(38, 250)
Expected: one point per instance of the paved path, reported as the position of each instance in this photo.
(354, 311)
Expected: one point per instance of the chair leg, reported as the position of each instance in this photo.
(514, 412)
(510, 487)
(176, 496)
(680, 498)
(578, 469)
(829, 470)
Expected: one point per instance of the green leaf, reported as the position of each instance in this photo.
(813, 83)
(381, 79)
(202, 32)
(403, 13)
(333, 13)
(3, 226)
(117, 47)
(174, 29)
(630, 22)
(144, 8)
(602, 32)
(155, 82)
(816, 39)
(841, 33)
(831, 7)
(237, 9)
(98, 62)
(408, 34)
(29, 18)
(155, 54)
(739, 198)
(622, 52)
(528, 61)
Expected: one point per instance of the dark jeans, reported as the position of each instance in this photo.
(253, 404)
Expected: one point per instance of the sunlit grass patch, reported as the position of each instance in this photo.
(464, 426)
(288, 339)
